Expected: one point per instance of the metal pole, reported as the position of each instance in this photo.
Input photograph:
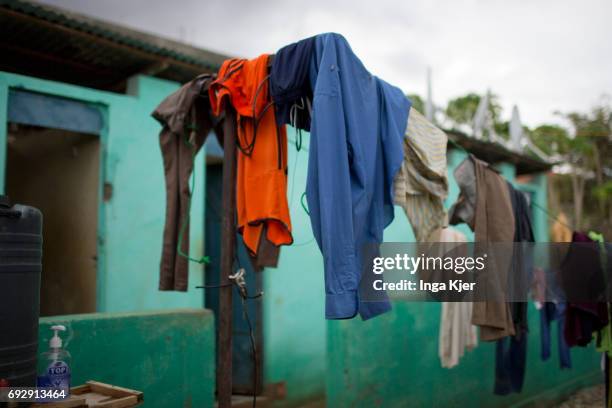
(228, 247)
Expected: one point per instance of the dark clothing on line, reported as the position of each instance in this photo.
(583, 318)
(511, 354)
(186, 120)
(492, 219)
(522, 261)
(462, 211)
(510, 363)
(290, 83)
(554, 311)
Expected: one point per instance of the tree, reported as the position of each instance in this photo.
(461, 110)
(417, 102)
(551, 139)
(596, 127)
(588, 152)
(593, 139)
(503, 129)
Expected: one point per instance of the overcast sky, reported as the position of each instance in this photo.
(543, 55)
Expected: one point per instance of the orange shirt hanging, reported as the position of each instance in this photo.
(261, 180)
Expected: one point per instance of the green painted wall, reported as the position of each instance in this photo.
(392, 361)
(131, 222)
(540, 198)
(169, 355)
(293, 302)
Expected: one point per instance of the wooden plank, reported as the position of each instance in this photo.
(228, 247)
(81, 389)
(124, 402)
(100, 395)
(112, 390)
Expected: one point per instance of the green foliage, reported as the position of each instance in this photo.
(502, 129)
(590, 153)
(461, 110)
(596, 123)
(604, 191)
(417, 102)
(551, 139)
(593, 139)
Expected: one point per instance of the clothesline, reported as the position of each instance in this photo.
(290, 93)
(553, 217)
(458, 146)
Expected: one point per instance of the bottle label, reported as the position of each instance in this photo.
(58, 376)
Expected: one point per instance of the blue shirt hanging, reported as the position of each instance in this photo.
(357, 129)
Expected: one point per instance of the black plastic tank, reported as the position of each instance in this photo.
(20, 269)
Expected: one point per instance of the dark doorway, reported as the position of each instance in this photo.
(57, 171)
(243, 372)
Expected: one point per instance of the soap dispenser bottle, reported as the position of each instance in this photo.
(54, 365)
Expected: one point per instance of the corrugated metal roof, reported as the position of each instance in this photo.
(53, 43)
(495, 153)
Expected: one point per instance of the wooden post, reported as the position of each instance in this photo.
(228, 248)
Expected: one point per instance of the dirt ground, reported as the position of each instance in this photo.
(592, 397)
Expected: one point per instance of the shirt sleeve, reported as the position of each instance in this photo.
(330, 198)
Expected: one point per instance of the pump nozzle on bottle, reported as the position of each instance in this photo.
(56, 341)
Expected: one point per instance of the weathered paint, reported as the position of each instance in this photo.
(131, 223)
(169, 355)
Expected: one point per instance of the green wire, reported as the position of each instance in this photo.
(304, 207)
(203, 259)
